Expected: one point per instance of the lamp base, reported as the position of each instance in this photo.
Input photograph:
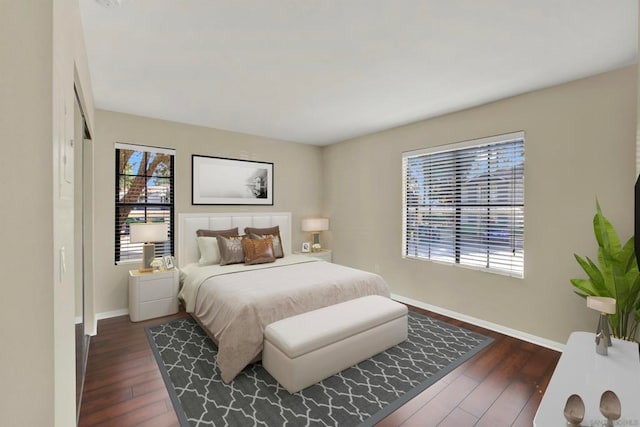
(315, 240)
(603, 335)
(148, 254)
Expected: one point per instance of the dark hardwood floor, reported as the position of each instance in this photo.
(500, 386)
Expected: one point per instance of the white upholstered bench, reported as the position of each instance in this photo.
(302, 350)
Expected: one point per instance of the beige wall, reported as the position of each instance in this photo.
(27, 255)
(297, 183)
(36, 117)
(580, 141)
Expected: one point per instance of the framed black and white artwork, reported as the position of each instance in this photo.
(222, 181)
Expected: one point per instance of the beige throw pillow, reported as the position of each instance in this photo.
(209, 252)
(208, 244)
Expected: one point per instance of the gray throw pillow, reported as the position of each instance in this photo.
(230, 249)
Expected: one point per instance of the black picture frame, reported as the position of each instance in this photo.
(225, 181)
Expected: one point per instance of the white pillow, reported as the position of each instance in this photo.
(209, 252)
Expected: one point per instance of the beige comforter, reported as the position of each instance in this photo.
(236, 306)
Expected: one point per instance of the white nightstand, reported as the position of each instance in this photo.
(324, 254)
(153, 294)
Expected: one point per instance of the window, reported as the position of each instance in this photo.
(464, 204)
(144, 193)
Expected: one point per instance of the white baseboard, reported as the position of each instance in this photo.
(89, 331)
(114, 313)
(482, 323)
(94, 329)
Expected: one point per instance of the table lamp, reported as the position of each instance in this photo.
(604, 305)
(315, 226)
(148, 233)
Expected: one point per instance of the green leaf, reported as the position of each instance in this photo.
(628, 255)
(594, 274)
(585, 286)
(605, 233)
(595, 267)
(606, 269)
(633, 282)
(614, 321)
(580, 295)
(624, 279)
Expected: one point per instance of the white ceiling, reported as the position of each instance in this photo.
(322, 71)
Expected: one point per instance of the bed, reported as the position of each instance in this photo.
(234, 303)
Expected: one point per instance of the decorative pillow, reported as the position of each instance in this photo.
(273, 232)
(230, 249)
(258, 251)
(214, 233)
(209, 252)
(277, 246)
(208, 245)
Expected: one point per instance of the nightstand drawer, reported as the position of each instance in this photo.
(155, 289)
(152, 294)
(149, 310)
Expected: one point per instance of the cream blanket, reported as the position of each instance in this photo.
(236, 304)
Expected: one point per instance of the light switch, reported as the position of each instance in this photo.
(63, 263)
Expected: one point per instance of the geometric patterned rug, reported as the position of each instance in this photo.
(358, 396)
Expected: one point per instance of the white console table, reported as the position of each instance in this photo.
(582, 371)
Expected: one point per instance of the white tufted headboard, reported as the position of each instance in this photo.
(188, 223)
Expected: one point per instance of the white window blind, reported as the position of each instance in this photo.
(144, 193)
(464, 204)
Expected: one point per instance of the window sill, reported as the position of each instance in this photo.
(468, 267)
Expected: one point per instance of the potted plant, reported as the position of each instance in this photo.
(615, 275)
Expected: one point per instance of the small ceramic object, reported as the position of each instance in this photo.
(574, 410)
(610, 407)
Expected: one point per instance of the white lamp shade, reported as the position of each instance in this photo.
(602, 304)
(148, 232)
(315, 224)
